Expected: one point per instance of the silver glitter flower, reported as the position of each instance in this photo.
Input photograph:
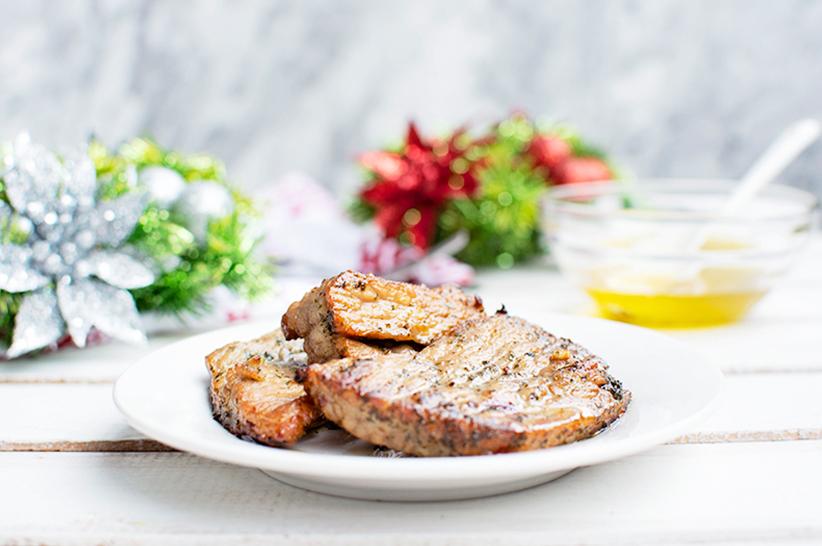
(73, 267)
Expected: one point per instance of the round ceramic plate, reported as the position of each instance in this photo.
(165, 396)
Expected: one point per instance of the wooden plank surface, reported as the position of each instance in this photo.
(672, 494)
(59, 414)
(98, 364)
(765, 407)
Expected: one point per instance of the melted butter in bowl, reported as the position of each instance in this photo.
(639, 264)
(678, 296)
(664, 310)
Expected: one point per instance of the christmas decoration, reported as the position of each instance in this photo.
(200, 203)
(432, 267)
(503, 218)
(200, 235)
(410, 187)
(91, 238)
(309, 234)
(163, 186)
(502, 176)
(65, 252)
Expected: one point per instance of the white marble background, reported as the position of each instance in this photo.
(671, 88)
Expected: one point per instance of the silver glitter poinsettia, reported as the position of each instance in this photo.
(73, 267)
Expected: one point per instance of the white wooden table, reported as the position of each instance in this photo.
(73, 472)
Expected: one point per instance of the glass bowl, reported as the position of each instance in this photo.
(661, 253)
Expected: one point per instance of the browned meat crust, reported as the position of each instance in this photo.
(253, 392)
(494, 385)
(364, 307)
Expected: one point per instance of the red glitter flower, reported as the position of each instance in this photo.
(410, 188)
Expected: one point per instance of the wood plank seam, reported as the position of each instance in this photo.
(748, 436)
(101, 446)
(771, 371)
(54, 381)
(148, 445)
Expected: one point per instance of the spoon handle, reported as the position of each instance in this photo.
(787, 146)
(779, 155)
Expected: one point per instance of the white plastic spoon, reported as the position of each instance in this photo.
(787, 147)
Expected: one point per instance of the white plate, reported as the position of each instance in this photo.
(165, 396)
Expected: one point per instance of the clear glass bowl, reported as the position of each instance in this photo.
(661, 252)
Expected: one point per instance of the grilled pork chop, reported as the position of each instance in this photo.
(497, 384)
(253, 392)
(356, 306)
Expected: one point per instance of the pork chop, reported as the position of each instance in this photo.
(364, 307)
(493, 385)
(253, 391)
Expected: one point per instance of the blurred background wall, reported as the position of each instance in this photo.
(669, 88)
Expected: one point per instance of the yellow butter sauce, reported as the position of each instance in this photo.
(707, 296)
(665, 310)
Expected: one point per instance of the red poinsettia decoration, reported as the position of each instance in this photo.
(410, 188)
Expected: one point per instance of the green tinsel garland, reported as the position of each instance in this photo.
(225, 259)
(503, 220)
